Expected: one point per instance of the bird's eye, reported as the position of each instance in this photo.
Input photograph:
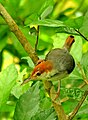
(39, 61)
(38, 74)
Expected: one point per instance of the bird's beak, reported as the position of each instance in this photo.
(26, 81)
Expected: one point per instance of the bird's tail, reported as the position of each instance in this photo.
(68, 43)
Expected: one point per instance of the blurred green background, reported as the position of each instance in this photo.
(56, 19)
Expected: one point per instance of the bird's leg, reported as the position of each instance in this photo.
(58, 90)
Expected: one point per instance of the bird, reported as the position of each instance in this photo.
(57, 64)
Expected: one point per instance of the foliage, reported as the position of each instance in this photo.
(7, 81)
(56, 20)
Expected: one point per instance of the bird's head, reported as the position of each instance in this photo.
(41, 67)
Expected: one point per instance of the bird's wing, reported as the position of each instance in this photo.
(55, 75)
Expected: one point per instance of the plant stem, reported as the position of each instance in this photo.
(71, 116)
(57, 105)
(59, 110)
(37, 32)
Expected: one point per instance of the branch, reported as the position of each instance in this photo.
(59, 110)
(37, 32)
(81, 34)
(71, 116)
(57, 105)
(15, 29)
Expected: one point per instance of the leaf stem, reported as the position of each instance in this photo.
(81, 34)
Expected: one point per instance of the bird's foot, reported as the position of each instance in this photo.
(57, 92)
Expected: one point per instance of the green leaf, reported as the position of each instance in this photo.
(47, 114)
(20, 76)
(84, 27)
(29, 61)
(33, 9)
(32, 6)
(7, 108)
(65, 29)
(76, 74)
(3, 43)
(12, 7)
(69, 105)
(45, 103)
(84, 109)
(48, 22)
(3, 36)
(46, 12)
(46, 8)
(28, 104)
(75, 23)
(83, 112)
(16, 43)
(7, 81)
(72, 93)
(31, 106)
(84, 63)
(50, 31)
(19, 89)
(84, 60)
(76, 47)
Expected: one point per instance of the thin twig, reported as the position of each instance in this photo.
(71, 116)
(83, 74)
(15, 29)
(37, 32)
(81, 34)
(64, 99)
(82, 85)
